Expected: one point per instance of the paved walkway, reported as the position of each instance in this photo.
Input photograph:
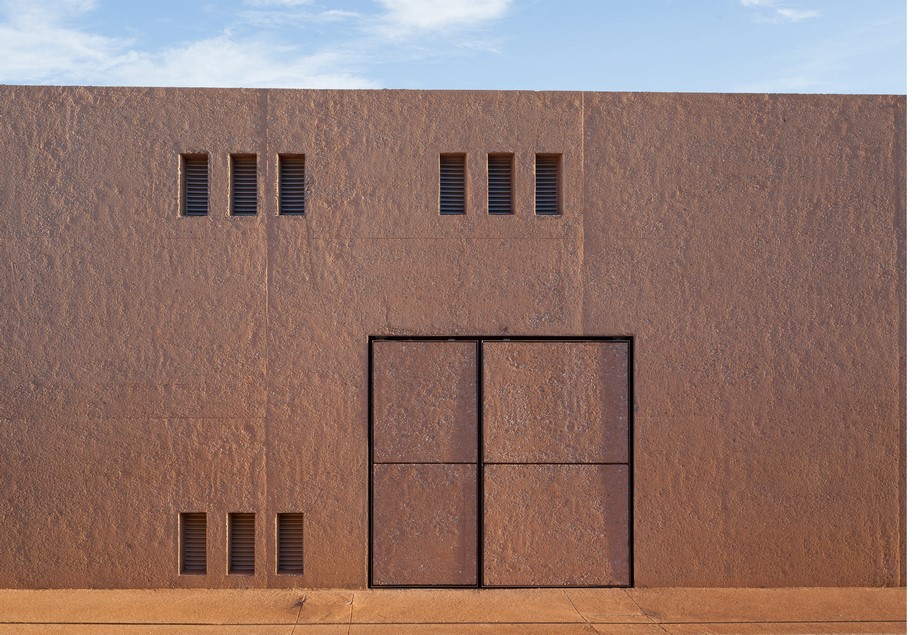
(433, 612)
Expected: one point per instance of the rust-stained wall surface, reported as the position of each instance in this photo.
(752, 246)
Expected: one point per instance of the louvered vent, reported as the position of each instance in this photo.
(196, 185)
(500, 183)
(289, 543)
(241, 543)
(244, 185)
(451, 184)
(292, 184)
(194, 543)
(547, 184)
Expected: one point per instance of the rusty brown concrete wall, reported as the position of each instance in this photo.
(153, 364)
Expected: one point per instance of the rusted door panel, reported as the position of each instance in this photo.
(556, 402)
(556, 525)
(425, 525)
(425, 402)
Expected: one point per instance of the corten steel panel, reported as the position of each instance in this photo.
(425, 402)
(556, 525)
(424, 525)
(556, 402)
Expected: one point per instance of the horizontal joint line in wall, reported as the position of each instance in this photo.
(502, 338)
(485, 463)
(461, 237)
(424, 462)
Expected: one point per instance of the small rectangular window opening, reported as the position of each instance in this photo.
(193, 537)
(451, 184)
(289, 543)
(241, 544)
(548, 194)
(292, 184)
(499, 170)
(244, 184)
(195, 184)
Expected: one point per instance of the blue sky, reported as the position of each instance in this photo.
(809, 46)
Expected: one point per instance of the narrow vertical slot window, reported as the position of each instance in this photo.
(195, 184)
(292, 184)
(193, 536)
(499, 169)
(241, 544)
(289, 543)
(244, 184)
(451, 184)
(548, 190)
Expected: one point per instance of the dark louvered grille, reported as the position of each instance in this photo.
(547, 184)
(451, 184)
(292, 184)
(289, 543)
(196, 186)
(194, 543)
(241, 543)
(244, 185)
(500, 184)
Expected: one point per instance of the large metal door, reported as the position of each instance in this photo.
(500, 462)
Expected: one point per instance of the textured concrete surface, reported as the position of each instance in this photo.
(537, 611)
(556, 525)
(753, 246)
(424, 525)
(556, 402)
(425, 399)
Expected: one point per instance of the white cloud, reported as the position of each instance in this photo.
(39, 44)
(773, 12)
(42, 41)
(238, 63)
(414, 17)
(278, 3)
(796, 15)
(338, 14)
(284, 17)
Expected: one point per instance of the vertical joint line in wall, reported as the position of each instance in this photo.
(581, 212)
(371, 458)
(479, 463)
(902, 374)
(631, 461)
(262, 109)
(582, 140)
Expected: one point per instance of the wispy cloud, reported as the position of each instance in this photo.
(44, 41)
(419, 17)
(774, 12)
(796, 15)
(37, 45)
(829, 65)
(278, 3)
(253, 62)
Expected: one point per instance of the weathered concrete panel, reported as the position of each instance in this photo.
(750, 244)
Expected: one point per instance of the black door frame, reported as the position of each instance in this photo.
(480, 339)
